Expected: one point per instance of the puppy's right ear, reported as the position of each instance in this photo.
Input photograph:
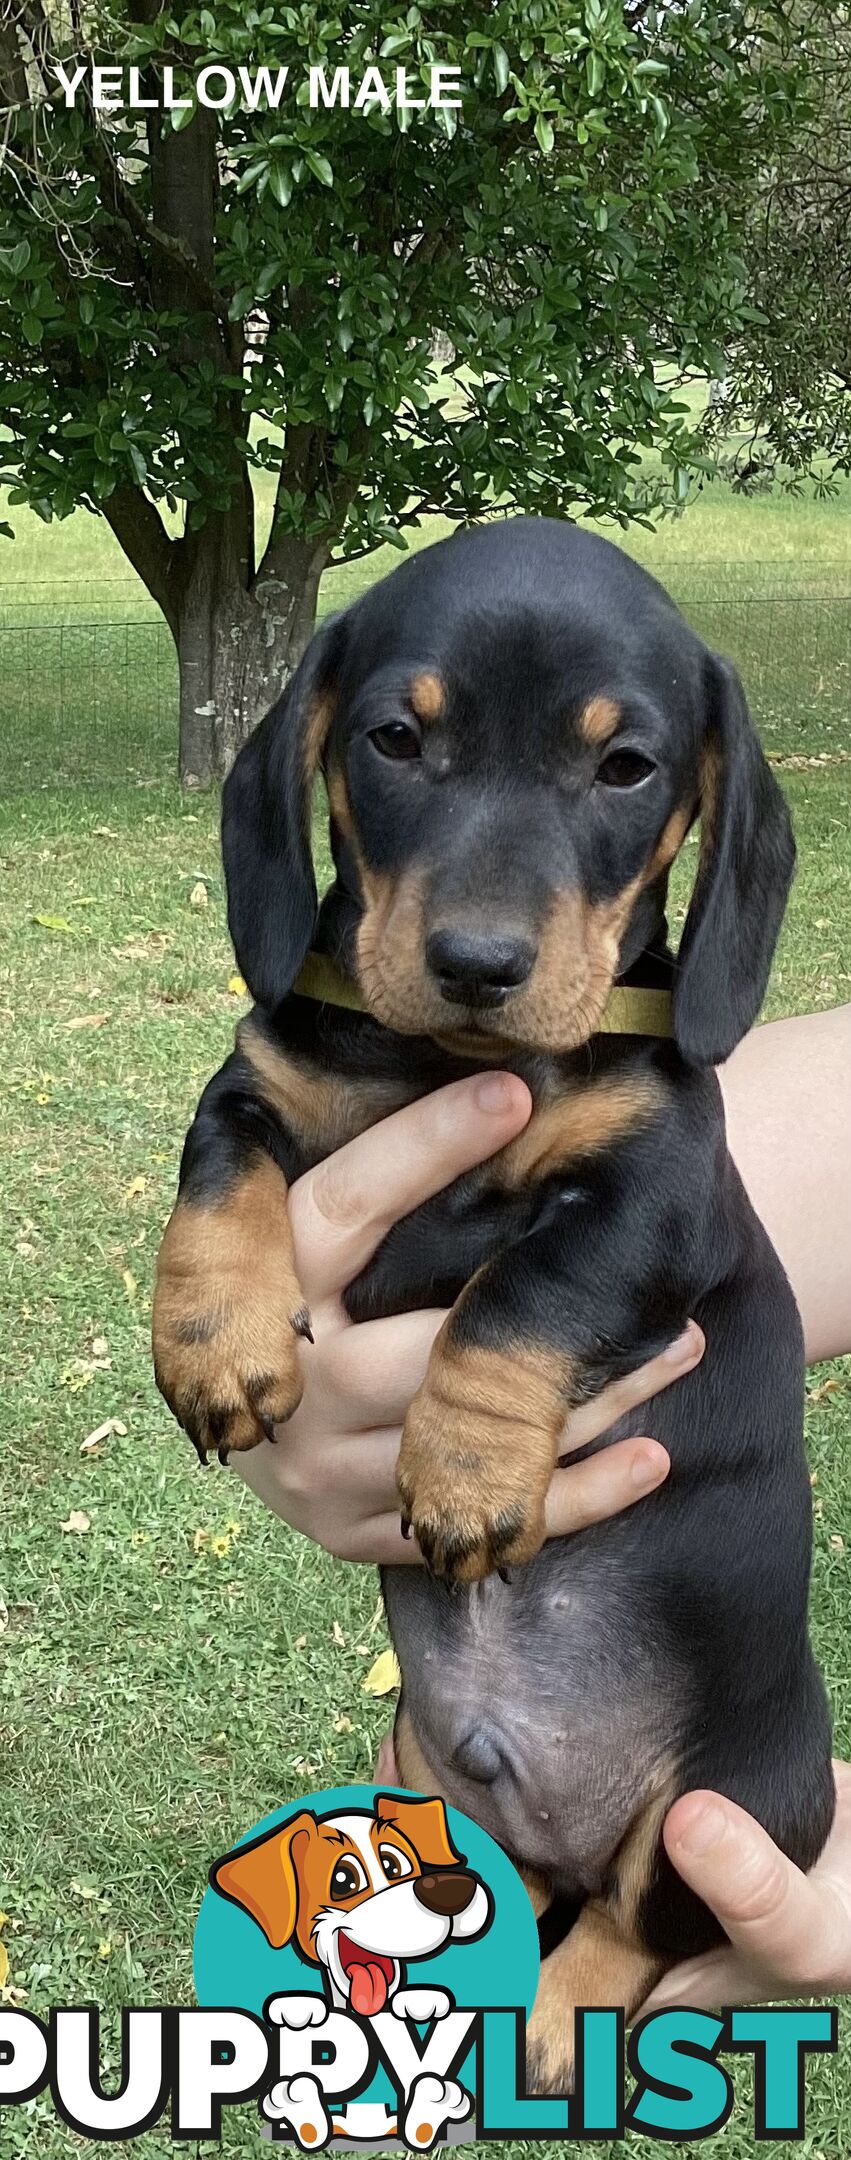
(266, 804)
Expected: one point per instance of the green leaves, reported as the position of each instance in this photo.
(586, 209)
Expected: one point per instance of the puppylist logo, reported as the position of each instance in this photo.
(365, 1964)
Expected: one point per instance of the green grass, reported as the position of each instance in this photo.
(88, 673)
(154, 1702)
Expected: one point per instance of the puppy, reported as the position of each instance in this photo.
(517, 730)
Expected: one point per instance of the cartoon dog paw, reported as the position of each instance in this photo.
(421, 2004)
(298, 2102)
(433, 2103)
(297, 2011)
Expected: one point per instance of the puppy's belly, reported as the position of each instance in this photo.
(545, 1711)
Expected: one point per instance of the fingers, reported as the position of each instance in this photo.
(711, 1983)
(588, 1492)
(385, 1772)
(340, 1211)
(790, 1926)
(616, 1401)
(371, 1371)
(374, 1369)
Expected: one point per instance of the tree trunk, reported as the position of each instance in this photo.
(237, 648)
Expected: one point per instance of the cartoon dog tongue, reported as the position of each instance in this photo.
(368, 1988)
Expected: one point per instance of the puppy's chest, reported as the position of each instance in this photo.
(428, 1256)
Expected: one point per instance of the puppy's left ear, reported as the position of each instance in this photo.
(746, 865)
(266, 803)
(262, 1877)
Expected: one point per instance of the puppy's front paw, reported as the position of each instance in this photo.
(227, 1317)
(478, 1450)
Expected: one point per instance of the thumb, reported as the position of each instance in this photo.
(767, 1907)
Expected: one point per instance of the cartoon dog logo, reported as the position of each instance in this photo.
(360, 1895)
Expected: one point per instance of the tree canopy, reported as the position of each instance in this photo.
(788, 389)
(192, 298)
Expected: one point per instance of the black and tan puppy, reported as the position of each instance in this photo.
(517, 730)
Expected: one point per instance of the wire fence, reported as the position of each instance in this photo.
(93, 701)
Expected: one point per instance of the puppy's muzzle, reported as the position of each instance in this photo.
(479, 967)
(446, 1894)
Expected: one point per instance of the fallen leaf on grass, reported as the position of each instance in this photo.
(384, 1675)
(338, 1635)
(343, 1724)
(91, 1444)
(54, 922)
(822, 1393)
(86, 1020)
(81, 1372)
(78, 1522)
(137, 1186)
(4, 1964)
(199, 896)
(237, 986)
(129, 1280)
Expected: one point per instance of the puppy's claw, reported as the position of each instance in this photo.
(224, 1456)
(301, 1323)
(268, 1425)
(505, 1575)
(405, 1525)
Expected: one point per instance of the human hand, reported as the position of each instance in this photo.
(332, 1472)
(790, 1934)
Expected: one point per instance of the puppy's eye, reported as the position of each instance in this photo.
(395, 1863)
(624, 769)
(398, 739)
(348, 1877)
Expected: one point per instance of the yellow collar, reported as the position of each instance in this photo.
(628, 1012)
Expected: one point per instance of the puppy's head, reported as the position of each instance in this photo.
(517, 730)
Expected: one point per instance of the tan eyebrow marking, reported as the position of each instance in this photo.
(427, 696)
(598, 719)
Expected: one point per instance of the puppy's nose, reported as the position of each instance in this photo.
(479, 967)
(448, 1893)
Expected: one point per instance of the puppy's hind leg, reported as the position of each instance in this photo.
(604, 1962)
(594, 1967)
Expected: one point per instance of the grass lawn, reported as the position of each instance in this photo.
(175, 1663)
(88, 671)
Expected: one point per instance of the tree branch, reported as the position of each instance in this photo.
(141, 534)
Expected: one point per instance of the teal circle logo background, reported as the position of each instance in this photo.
(234, 1966)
